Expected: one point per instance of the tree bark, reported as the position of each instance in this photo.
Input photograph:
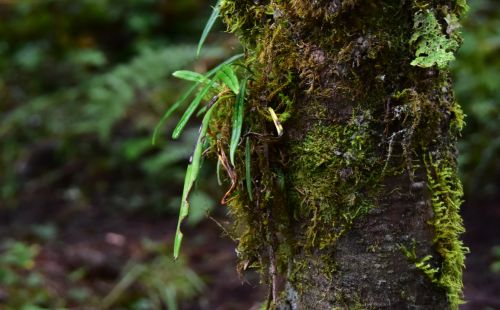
(356, 206)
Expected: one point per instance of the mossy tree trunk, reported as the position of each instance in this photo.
(356, 205)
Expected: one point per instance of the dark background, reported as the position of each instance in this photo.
(88, 206)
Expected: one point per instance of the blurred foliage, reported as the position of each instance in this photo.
(477, 87)
(163, 282)
(20, 286)
(154, 281)
(495, 266)
(82, 85)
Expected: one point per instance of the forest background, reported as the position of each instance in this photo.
(88, 205)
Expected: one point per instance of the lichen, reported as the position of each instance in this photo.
(432, 46)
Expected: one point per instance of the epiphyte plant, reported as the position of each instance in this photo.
(217, 87)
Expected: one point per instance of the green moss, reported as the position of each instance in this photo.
(331, 179)
(446, 191)
(423, 264)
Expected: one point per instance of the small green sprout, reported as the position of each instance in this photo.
(277, 123)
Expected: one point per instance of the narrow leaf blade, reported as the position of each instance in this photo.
(184, 210)
(190, 110)
(230, 60)
(208, 27)
(171, 110)
(191, 175)
(190, 76)
(237, 120)
(219, 180)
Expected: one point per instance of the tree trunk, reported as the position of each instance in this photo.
(356, 205)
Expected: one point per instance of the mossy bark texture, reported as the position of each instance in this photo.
(356, 205)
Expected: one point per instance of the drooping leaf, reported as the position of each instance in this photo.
(184, 210)
(190, 110)
(190, 76)
(208, 27)
(237, 120)
(248, 174)
(191, 174)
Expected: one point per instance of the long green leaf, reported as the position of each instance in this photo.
(184, 210)
(191, 174)
(171, 110)
(208, 27)
(186, 95)
(237, 120)
(190, 110)
(190, 76)
(248, 174)
(227, 75)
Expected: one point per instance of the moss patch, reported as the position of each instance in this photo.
(331, 178)
(446, 191)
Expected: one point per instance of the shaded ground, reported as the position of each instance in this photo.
(482, 287)
(103, 242)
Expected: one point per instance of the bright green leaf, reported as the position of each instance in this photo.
(191, 174)
(190, 76)
(237, 120)
(190, 110)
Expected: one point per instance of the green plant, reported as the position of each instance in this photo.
(219, 87)
(97, 107)
(164, 282)
(86, 82)
(476, 75)
(495, 266)
(226, 88)
(24, 287)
